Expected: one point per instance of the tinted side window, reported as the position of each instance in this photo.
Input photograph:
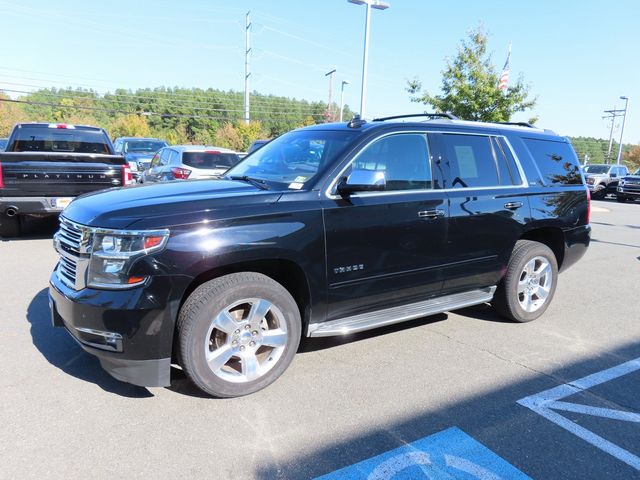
(404, 159)
(471, 161)
(557, 161)
(503, 152)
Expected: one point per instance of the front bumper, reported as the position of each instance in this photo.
(629, 191)
(130, 331)
(31, 205)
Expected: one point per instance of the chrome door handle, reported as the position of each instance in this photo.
(431, 213)
(513, 205)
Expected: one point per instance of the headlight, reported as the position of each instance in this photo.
(114, 252)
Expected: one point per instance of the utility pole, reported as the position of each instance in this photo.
(329, 112)
(247, 73)
(344, 82)
(624, 119)
(612, 114)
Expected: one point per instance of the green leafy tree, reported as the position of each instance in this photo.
(10, 114)
(470, 86)
(130, 126)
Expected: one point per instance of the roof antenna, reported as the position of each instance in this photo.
(356, 121)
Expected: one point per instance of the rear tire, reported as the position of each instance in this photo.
(10, 226)
(528, 287)
(238, 334)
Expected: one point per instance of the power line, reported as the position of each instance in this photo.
(256, 111)
(260, 99)
(126, 112)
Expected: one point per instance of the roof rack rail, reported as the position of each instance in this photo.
(430, 115)
(518, 124)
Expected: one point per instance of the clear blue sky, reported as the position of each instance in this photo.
(579, 57)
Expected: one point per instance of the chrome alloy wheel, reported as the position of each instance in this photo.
(535, 284)
(245, 340)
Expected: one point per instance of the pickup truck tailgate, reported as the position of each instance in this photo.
(55, 174)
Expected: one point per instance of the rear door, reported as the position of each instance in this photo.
(386, 248)
(487, 208)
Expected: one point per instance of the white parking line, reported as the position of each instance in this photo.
(544, 403)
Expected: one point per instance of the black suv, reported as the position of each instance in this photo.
(327, 230)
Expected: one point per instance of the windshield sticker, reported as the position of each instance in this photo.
(295, 185)
(300, 178)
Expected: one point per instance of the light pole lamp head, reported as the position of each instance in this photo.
(377, 4)
(345, 82)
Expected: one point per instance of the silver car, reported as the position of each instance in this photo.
(188, 162)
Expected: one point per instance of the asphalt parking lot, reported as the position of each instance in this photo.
(462, 395)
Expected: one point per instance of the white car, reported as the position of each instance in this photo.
(188, 162)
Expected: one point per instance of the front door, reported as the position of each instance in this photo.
(386, 248)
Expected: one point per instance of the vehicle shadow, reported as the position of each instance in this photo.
(33, 228)
(509, 430)
(61, 351)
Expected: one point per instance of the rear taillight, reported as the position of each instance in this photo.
(127, 176)
(180, 173)
(588, 206)
(1, 178)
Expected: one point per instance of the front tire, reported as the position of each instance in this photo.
(599, 192)
(529, 284)
(238, 334)
(621, 199)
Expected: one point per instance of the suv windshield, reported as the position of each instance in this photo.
(596, 168)
(294, 158)
(143, 146)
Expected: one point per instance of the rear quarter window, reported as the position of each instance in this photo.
(557, 161)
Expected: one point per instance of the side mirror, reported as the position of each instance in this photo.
(362, 181)
(614, 175)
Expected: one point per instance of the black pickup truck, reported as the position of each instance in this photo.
(46, 165)
(328, 230)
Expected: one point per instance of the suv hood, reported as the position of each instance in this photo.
(164, 205)
(135, 157)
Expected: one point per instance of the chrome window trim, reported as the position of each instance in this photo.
(524, 182)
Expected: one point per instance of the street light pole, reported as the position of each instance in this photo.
(329, 115)
(624, 119)
(344, 82)
(379, 5)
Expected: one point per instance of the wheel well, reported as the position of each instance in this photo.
(287, 273)
(551, 237)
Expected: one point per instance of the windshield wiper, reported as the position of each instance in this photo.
(261, 184)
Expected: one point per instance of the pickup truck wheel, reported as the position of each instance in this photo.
(238, 334)
(10, 226)
(599, 192)
(529, 283)
(621, 199)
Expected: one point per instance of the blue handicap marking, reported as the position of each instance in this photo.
(450, 454)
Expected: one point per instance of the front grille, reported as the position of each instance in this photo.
(71, 242)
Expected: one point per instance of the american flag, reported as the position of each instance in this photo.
(504, 76)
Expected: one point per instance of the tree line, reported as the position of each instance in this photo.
(179, 115)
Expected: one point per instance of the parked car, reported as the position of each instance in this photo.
(629, 187)
(46, 165)
(392, 221)
(138, 152)
(602, 179)
(256, 144)
(3, 143)
(189, 162)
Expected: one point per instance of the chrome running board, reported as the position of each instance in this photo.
(389, 316)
